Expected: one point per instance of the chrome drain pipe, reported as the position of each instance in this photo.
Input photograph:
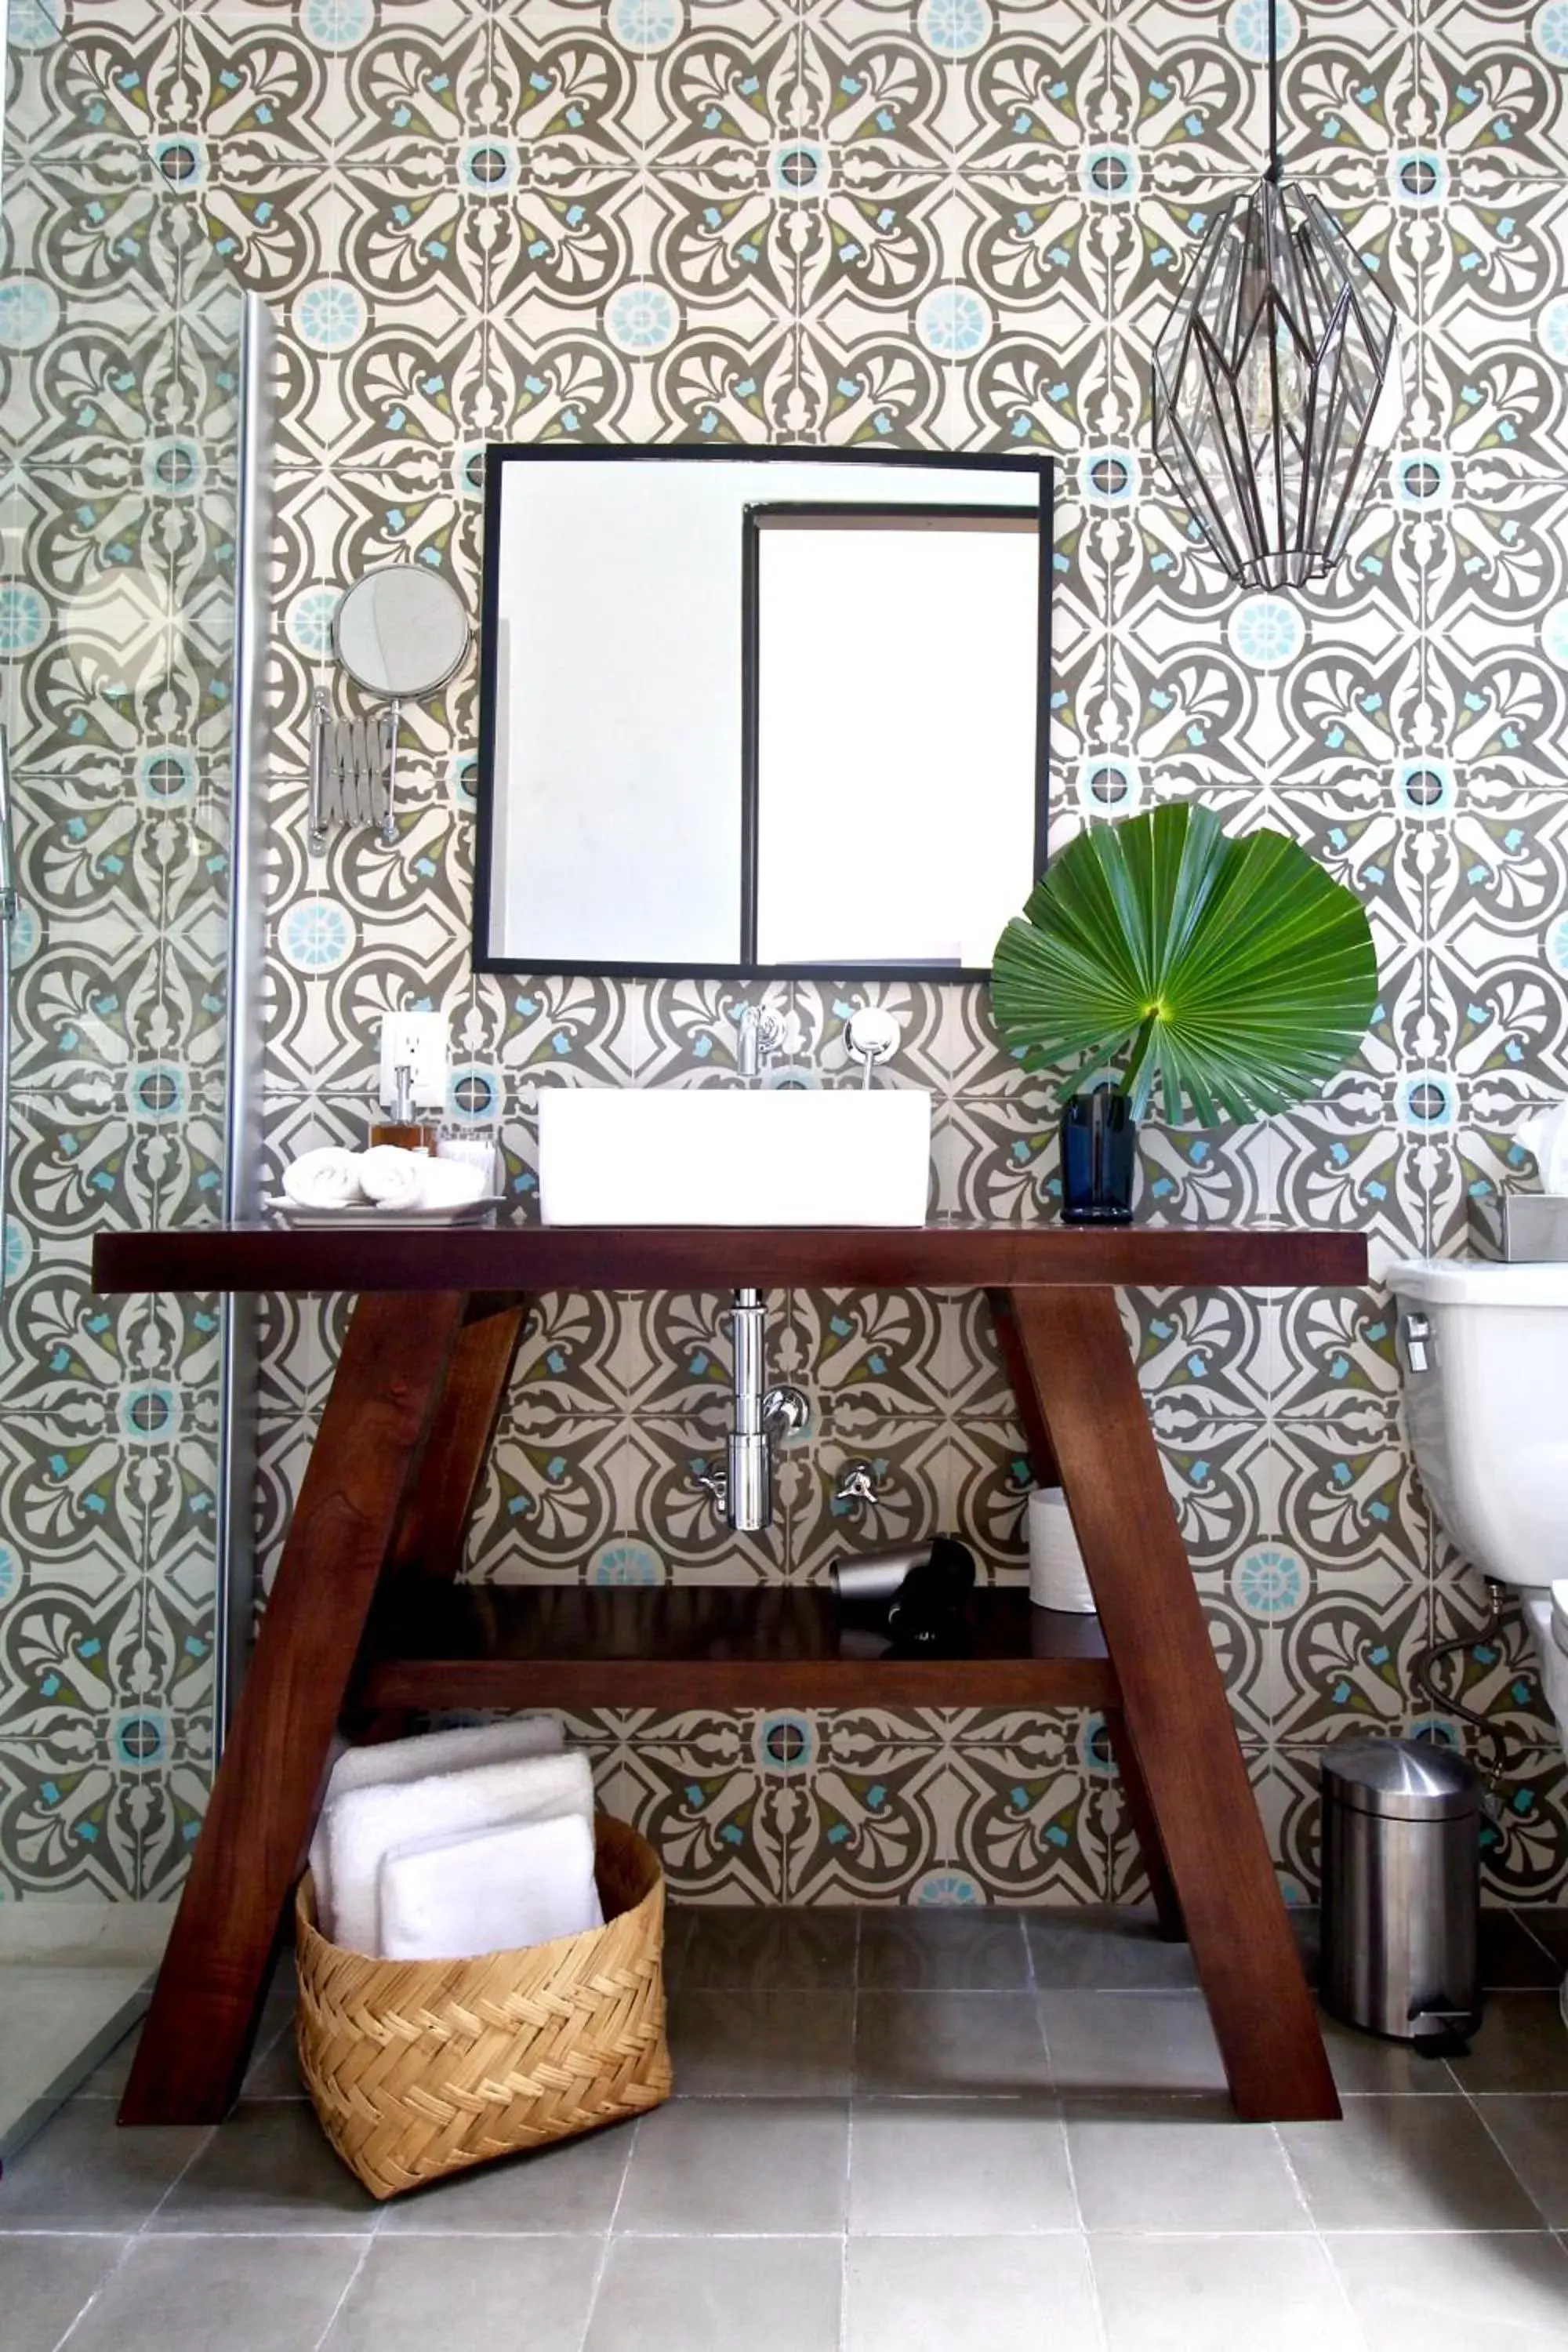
(743, 1489)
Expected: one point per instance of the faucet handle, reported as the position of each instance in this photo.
(761, 1035)
(857, 1484)
(716, 1485)
(871, 1036)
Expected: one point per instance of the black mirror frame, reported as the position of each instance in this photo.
(499, 456)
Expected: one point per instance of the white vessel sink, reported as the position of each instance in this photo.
(733, 1155)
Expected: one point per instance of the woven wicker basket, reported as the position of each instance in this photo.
(420, 2068)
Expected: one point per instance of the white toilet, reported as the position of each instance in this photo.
(1485, 1353)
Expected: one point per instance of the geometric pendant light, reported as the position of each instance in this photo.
(1277, 380)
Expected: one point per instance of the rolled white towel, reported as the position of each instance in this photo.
(364, 1824)
(327, 1179)
(458, 1898)
(450, 1184)
(392, 1763)
(392, 1178)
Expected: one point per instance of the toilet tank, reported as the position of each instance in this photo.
(1484, 1351)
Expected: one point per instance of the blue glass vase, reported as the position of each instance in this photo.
(1099, 1157)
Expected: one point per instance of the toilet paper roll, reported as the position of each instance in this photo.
(1056, 1578)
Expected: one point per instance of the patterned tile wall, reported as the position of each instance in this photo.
(118, 340)
(956, 223)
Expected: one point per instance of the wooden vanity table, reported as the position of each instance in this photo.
(365, 1616)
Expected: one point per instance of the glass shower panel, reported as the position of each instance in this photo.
(120, 379)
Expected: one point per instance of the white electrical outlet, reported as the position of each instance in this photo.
(418, 1040)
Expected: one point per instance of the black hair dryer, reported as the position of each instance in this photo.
(909, 1596)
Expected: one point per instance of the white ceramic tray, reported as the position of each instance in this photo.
(471, 1213)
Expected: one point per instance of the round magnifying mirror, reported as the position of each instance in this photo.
(400, 632)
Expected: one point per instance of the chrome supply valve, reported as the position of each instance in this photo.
(784, 1414)
(857, 1484)
(715, 1484)
(761, 1034)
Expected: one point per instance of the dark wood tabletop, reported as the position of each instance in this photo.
(516, 1257)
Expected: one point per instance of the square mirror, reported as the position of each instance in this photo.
(748, 712)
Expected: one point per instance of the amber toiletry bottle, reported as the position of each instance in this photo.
(402, 1128)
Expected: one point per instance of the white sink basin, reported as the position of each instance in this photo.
(733, 1155)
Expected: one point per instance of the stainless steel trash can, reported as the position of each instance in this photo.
(1401, 1889)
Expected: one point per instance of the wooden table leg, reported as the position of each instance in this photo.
(1075, 1353)
(1047, 1472)
(1146, 1832)
(192, 2055)
(434, 1526)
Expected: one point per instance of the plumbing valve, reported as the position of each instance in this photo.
(857, 1484)
(743, 1489)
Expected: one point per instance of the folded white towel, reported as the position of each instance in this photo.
(327, 1179)
(393, 1178)
(458, 1898)
(392, 1762)
(364, 1824)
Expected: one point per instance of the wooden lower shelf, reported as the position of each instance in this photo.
(496, 1646)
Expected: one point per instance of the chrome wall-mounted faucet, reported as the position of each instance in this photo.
(743, 1489)
(761, 1035)
(871, 1036)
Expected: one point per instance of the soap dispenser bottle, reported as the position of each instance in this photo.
(402, 1130)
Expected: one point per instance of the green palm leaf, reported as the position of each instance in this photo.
(1236, 973)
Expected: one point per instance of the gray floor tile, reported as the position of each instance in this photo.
(1135, 2106)
(1146, 2041)
(83, 2173)
(1522, 2045)
(940, 2168)
(1214, 2293)
(1457, 2294)
(942, 2044)
(467, 2294)
(567, 2188)
(220, 2294)
(728, 2167)
(1136, 2173)
(274, 2069)
(57, 2021)
(911, 1951)
(112, 2072)
(677, 1923)
(110, 2077)
(1514, 1957)
(1307, 1926)
(269, 2167)
(784, 2044)
(1368, 2061)
(1106, 1950)
(1533, 2136)
(1548, 1923)
(938, 2294)
(1406, 2164)
(781, 1949)
(44, 2284)
(716, 2294)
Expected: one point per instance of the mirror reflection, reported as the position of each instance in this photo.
(400, 632)
(749, 713)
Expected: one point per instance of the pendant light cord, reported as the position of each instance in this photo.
(1274, 166)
